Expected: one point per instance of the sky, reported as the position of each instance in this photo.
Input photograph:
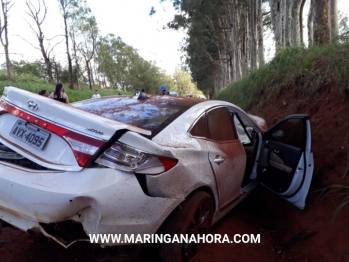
(128, 19)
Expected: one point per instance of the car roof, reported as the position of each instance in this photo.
(154, 100)
(152, 113)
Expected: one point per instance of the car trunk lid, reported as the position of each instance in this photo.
(66, 133)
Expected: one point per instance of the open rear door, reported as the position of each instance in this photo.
(286, 162)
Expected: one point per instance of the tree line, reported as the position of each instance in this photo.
(91, 58)
(226, 38)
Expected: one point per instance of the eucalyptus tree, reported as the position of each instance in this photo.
(81, 25)
(89, 32)
(225, 39)
(184, 83)
(207, 43)
(320, 23)
(69, 9)
(75, 56)
(143, 74)
(120, 66)
(286, 17)
(112, 60)
(5, 9)
(333, 14)
(38, 14)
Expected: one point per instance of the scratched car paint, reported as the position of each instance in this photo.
(125, 165)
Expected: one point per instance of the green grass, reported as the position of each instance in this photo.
(338, 191)
(34, 85)
(301, 66)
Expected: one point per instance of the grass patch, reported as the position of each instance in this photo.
(336, 190)
(32, 84)
(300, 66)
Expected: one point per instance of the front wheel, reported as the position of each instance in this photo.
(192, 217)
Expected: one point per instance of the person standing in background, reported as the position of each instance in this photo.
(163, 90)
(96, 95)
(59, 94)
(44, 93)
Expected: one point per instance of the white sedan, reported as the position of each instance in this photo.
(157, 164)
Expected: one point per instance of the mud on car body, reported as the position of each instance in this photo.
(118, 165)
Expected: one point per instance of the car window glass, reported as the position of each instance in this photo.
(219, 125)
(290, 132)
(242, 135)
(152, 113)
(199, 129)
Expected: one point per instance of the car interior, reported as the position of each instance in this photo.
(249, 140)
(283, 147)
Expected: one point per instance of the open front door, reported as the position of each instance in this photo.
(286, 162)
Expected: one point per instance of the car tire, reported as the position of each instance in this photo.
(193, 216)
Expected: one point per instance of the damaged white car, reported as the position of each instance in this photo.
(122, 165)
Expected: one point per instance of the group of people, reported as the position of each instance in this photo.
(58, 94)
(163, 91)
(61, 96)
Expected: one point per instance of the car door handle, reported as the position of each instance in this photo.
(218, 160)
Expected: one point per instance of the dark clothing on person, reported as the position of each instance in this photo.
(60, 99)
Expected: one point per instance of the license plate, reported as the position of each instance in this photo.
(29, 134)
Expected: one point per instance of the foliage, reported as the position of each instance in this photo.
(200, 19)
(184, 83)
(338, 191)
(33, 84)
(123, 68)
(36, 69)
(299, 66)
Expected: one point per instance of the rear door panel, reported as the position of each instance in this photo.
(227, 155)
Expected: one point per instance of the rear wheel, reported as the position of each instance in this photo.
(192, 217)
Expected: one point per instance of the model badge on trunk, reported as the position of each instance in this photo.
(95, 131)
(33, 105)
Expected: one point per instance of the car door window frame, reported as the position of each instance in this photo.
(194, 124)
(234, 114)
(231, 123)
(206, 124)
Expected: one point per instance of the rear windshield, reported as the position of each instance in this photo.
(153, 113)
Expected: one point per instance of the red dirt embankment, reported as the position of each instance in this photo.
(287, 234)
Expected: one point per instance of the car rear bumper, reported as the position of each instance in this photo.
(102, 200)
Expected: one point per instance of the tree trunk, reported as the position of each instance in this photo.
(321, 29)
(286, 16)
(71, 85)
(245, 40)
(296, 22)
(333, 20)
(275, 21)
(89, 74)
(47, 61)
(260, 32)
(311, 24)
(57, 73)
(253, 34)
(4, 29)
(77, 67)
(34, 13)
(8, 62)
(301, 21)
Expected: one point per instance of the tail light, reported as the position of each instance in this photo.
(123, 157)
(83, 147)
